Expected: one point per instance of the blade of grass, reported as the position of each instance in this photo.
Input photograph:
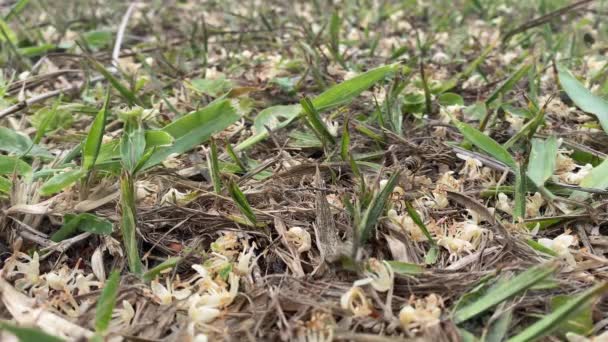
(92, 144)
(129, 222)
(595, 179)
(550, 322)
(106, 303)
(541, 163)
(337, 95)
(29, 334)
(519, 207)
(235, 157)
(315, 120)
(486, 144)
(214, 167)
(195, 128)
(433, 253)
(155, 271)
(504, 291)
(583, 98)
(126, 93)
(376, 208)
(509, 83)
(241, 202)
(10, 165)
(84, 222)
(61, 181)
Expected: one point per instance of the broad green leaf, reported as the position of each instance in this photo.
(61, 181)
(376, 208)
(582, 97)
(344, 92)
(450, 99)
(337, 95)
(97, 39)
(15, 143)
(241, 202)
(10, 165)
(275, 117)
(485, 143)
(5, 185)
(132, 146)
(158, 139)
(195, 128)
(106, 303)
(554, 320)
(82, 222)
(503, 291)
(28, 334)
(92, 144)
(155, 271)
(213, 88)
(541, 163)
(595, 179)
(580, 322)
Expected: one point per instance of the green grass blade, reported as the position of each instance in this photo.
(84, 222)
(214, 168)
(106, 303)
(29, 334)
(344, 92)
(418, 221)
(504, 291)
(550, 322)
(337, 95)
(241, 202)
(596, 179)
(124, 91)
(486, 144)
(508, 84)
(10, 165)
(519, 207)
(155, 271)
(541, 163)
(401, 267)
(582, 97)
(315, 120)
(129, 222)
(195, 128)
(376, 208)
(92, 144)
(15, 143)
(235, 157)
(158, 139)
(61, 181)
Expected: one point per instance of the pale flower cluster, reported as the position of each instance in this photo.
(421, 313)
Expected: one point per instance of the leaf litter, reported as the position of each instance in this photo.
(273, 171)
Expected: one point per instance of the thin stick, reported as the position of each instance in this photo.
(120, 34)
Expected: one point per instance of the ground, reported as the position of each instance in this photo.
(311, 171)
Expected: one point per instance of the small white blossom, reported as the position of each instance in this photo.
(355, 301)
(299, 238)
(421, 314)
